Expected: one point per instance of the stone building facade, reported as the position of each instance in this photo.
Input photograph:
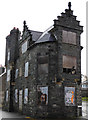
(44, 69)
(2, 84)
(2, 88)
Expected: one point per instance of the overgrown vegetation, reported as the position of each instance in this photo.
(84, 98)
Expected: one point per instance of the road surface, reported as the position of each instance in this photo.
(17, 116)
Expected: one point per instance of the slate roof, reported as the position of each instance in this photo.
(38, 37)
(35, 35)
(46, 36)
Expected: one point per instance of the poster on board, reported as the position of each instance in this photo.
(42, 95)
(69, 96)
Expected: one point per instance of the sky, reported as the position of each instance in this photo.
(39, 15)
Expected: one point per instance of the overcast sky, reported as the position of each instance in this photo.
(39, 15)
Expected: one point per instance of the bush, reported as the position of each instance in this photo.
(84, 98)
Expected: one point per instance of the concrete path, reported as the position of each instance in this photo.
(16, 116)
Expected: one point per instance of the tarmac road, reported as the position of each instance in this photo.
(16, 116)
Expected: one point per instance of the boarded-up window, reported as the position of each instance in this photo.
(43, 64)
(7, 96)
(8, 55)
(8, 75)
(69, 37)
(69, 64)
(26, 96)
(26, 69)
(20, 99)
(16, 73)
(69, 61)
(20, 72)
(16, 95)
(24, 47)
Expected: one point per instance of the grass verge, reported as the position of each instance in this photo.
(84, 98)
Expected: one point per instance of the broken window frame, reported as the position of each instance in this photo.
(43, 65)
(67, 66)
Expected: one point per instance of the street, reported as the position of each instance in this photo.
(4, 114)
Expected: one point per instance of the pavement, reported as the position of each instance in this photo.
(5, 114)
(16, 116)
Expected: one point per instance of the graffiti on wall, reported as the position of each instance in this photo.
(42, 95)
(70, 96)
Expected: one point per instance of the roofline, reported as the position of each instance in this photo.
(33, 45)
(46, 31)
